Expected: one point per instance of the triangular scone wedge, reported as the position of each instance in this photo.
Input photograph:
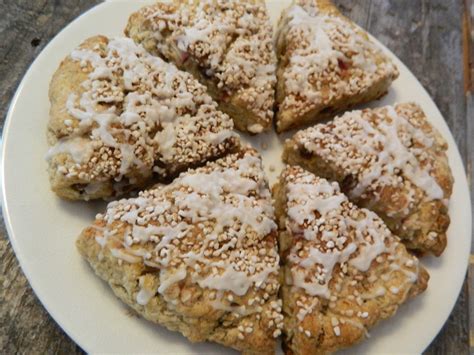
(198, 256)
(343, 268)
(326, 64)
(389, 160)
(227, 45)
(118, 114)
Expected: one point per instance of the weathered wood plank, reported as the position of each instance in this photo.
(25, 28)
(470, 172)
(358, 11)
(468, 46)
(425, 34)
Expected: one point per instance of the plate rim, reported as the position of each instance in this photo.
(60, 320)
(5, 208)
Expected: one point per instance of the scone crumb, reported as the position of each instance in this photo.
(323, 276)
(231, 44)
(389, 159)
(134, 114)
(212, 228)
(326, 58)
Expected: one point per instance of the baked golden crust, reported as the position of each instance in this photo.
(118, 114)
(227, 45)
(390, 160)
(343, 269)
(326, 64)
(198, 256)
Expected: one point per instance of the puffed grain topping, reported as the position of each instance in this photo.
(213, 226)
(336, 246)
(328, 57)
(384, 147)
(137, 112)
(230, 40)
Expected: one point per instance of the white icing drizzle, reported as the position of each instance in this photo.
(319, 201)
(395, 154)
(306, 309)
(134, 111)
(379, 292)
(120, 254)
(144, 295)
(380, 147)
(209, 226)
(168, 278)
(80, 149)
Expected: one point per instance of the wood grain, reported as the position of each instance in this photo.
(470, 173)
(468, 46)
(26, 26)
(425, 34)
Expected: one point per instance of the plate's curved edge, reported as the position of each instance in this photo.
(464, 185)
(61, 320)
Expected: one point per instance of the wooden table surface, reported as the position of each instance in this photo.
(427, 35)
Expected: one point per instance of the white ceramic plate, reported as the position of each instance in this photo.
(43, 228)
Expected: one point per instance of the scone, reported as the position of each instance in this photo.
(198, 256)
(326, 64)
(227, 45)
(118, 114)
(343, 268)
(389, 160)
